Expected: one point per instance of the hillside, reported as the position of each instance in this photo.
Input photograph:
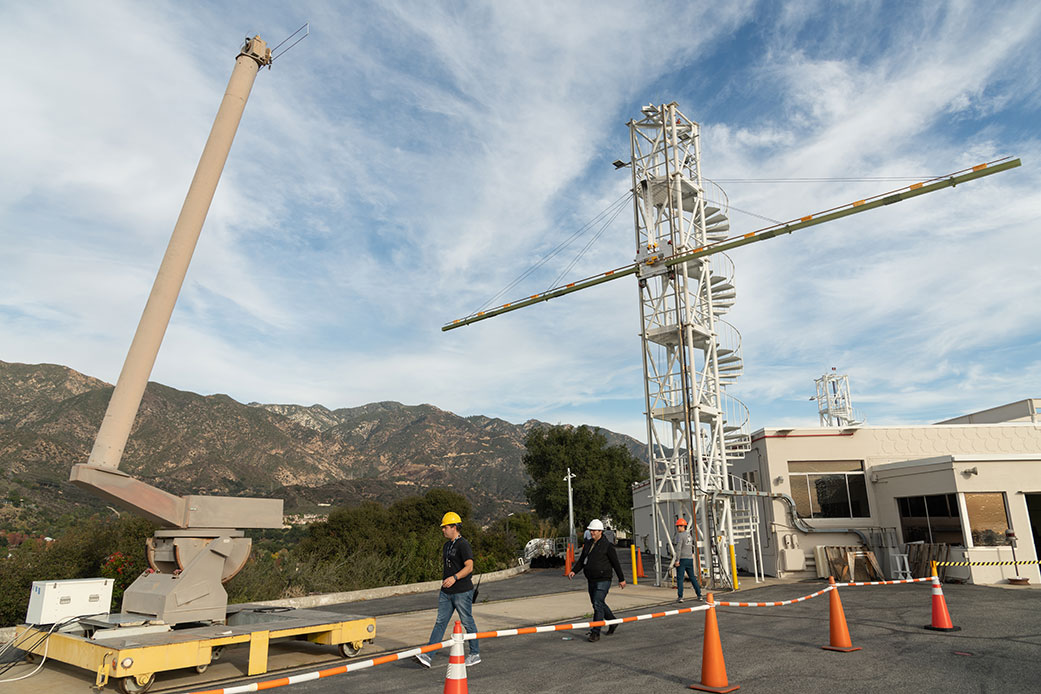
(310, 456)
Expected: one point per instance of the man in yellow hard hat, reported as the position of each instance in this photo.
(457, 590)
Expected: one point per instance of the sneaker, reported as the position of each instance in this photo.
(611, 629)
(593, 637)
(473, 659)
(679, 599)
(424, 660)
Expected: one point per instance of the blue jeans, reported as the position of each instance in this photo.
(462, 603)
(598, 596)
(687, 567)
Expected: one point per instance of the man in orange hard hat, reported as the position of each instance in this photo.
(457, 590)
(683, 558)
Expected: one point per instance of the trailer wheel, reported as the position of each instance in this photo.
(349, 650)
(131, 685)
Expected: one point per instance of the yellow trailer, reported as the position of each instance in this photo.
(131, 651)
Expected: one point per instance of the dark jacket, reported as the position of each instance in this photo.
(598, 558)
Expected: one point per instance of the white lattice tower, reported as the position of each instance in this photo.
(682, 337)
(835, 402)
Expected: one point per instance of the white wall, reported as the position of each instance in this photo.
(1007, 456)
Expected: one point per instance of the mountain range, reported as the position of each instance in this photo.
(310, 456)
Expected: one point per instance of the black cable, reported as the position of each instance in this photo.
(586, 248)
(555, 251)
(42, 637)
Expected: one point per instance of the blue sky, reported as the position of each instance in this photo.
(409, 160)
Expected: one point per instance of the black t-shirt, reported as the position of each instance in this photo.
(453, 558)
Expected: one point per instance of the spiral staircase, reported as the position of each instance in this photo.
(744, 506)
(691, 354)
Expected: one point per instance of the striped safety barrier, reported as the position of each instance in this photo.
(780, 603)
(318, 674)
(412, 652)
(499, 633)
(581, 625)
(987, 563)
(885, 583)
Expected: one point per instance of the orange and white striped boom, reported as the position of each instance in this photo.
(829, 215)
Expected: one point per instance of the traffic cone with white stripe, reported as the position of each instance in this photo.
(713, 669)
(455, 680)
(839, 640)
(941, 618)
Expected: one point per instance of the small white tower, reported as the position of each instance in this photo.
(834, 402)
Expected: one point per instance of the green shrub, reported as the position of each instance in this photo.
(81, 552)
(360, 547)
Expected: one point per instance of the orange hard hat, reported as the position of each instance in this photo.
(681, 521)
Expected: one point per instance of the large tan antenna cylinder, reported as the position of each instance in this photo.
(126, 399)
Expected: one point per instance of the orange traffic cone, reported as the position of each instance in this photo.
(941, 618)
(569, 558)
(455, 680)
(713, 669)
(639, 564)
(840, 640)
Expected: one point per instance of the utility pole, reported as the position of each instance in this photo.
(570, 505)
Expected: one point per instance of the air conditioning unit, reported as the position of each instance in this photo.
(793, 560)
(56, 601)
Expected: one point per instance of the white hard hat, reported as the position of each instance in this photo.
(595, 524)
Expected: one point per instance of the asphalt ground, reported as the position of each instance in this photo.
(766, 649)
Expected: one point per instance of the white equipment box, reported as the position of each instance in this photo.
(55, 601)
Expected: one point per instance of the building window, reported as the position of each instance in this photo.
(829, 488)
(932, 519)
(988, 518)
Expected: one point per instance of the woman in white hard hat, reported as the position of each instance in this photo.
(599, 558)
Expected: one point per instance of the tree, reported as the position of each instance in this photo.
(604, 475)
(81, 552)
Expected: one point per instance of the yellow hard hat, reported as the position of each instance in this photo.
(451, 518)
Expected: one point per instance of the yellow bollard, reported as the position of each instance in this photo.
(733, 566)
(632, 553)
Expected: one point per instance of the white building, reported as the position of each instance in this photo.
(963, 482)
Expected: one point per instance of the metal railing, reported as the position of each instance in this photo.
(545, 547)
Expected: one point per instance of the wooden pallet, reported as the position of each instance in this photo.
(853, 563)
(921, 555)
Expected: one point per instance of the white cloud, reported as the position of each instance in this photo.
(408, 160)
(907, 291)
